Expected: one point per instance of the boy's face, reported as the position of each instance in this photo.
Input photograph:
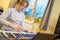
(21, 8)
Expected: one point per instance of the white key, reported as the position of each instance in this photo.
(13, 35)
(5, 34)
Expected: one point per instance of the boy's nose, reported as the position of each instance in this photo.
(22, 7)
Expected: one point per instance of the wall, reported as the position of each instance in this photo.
(4, 4)
(12, 3)
(54, 17)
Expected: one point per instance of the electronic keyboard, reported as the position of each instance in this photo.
(16, 35)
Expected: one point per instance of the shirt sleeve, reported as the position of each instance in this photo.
(23, 22)
(4, 16)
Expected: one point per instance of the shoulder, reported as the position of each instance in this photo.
(10, 9)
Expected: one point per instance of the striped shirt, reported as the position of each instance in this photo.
(14, 17)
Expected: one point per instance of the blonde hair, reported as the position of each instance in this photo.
(21, 2)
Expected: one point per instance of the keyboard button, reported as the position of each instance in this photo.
(13, 35)
(9, 34)
(5, 35)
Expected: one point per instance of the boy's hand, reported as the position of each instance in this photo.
(17, 28)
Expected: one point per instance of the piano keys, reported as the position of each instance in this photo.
(10, 35)
(5, 35)
(16, 35)
(1, 35)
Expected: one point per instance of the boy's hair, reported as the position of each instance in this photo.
(21, 2)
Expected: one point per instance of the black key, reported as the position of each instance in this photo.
(13, 35)
(18, 35)
(9, 34)
(4, 34)
(1, 36)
